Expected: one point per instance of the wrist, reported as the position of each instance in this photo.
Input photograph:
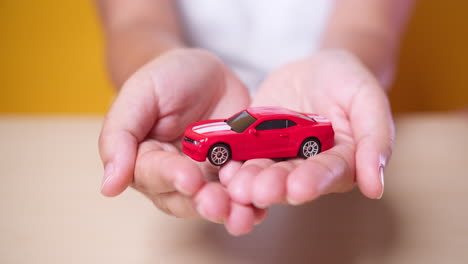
(375, 50)
(127, 51)
(381, 66)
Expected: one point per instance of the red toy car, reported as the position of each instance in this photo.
(258, 132)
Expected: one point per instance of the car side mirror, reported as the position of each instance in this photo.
(253, 131)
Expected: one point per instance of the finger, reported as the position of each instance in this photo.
(213, 202)
(269, 186)
(241, 219)
(127, 123)
(373, 129)
(240, 187)
(173, 182)
(330, 171)
(228, 170)
(160, 168)
(175, 204)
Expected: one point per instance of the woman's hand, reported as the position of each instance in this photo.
(141, 137)
(336, 85)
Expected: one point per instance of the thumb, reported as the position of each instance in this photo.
(129, 120)
(373, 130)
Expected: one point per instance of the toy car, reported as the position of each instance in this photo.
(258, 132)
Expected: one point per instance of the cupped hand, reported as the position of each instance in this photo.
(336, 85)
(140, 139)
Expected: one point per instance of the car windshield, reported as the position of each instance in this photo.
(241, 121)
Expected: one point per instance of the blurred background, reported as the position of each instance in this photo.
(52, 58)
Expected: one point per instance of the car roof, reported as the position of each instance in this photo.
(264, 111)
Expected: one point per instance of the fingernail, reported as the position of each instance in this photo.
(108, 170)
(382, 181)
(260, 206)
(292, 202)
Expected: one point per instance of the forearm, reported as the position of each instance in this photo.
(136, 33)
(371, 30)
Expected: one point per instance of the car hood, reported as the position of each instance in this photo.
(210, 127)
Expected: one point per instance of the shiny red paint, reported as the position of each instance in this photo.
(285, 138)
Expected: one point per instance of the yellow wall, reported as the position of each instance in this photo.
(51, 58)
(433, 70)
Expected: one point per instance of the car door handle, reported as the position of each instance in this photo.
(283, 135)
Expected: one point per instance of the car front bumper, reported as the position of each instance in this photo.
(196, 152)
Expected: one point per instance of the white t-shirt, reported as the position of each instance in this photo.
(255, 37)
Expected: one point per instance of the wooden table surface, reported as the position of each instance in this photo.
(52, 212)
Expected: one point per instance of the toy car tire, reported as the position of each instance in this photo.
(310, 147)
(219, 154)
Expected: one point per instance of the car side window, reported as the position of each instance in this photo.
(272, 124)
(290, 123)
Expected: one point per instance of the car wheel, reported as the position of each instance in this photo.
(310, 147)
(219, 154)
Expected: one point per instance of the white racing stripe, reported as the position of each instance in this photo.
(210, 124)
(211, 128)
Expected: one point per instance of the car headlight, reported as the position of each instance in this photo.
(193, 141)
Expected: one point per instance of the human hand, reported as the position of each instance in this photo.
(141, 137)
(336, 85)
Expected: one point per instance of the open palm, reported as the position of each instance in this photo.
(140, 139)
(336, 85)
